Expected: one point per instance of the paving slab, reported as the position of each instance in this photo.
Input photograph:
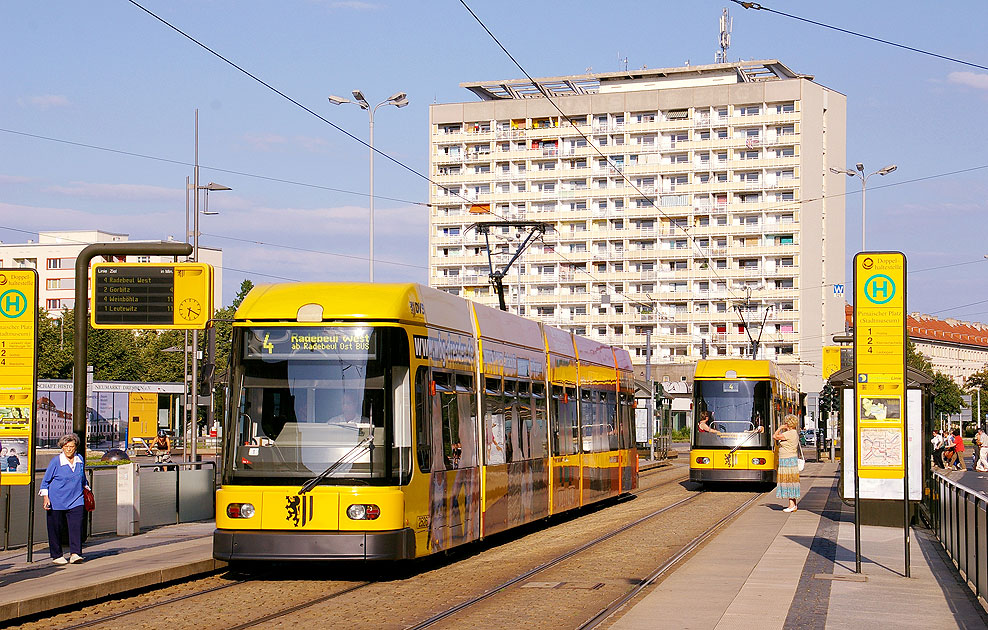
(769, 569)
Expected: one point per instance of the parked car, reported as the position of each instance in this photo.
(808, 437)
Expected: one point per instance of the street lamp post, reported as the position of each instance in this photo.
(860, 174)
(399, 99)
(191, 450)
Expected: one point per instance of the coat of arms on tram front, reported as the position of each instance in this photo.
(299, 510)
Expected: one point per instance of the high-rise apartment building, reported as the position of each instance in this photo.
(695, 202)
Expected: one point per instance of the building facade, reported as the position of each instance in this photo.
(692, 203)
(956, 348)
(54, 255)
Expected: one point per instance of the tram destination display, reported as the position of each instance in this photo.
(143, 295)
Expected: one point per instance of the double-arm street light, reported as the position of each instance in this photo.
(399, 99)
(191, 452)
(860, 174)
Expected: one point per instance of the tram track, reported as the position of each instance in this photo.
(684, 551)
(551, 563)
(355, 586)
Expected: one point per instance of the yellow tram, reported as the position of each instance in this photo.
(737, 405)
(374, 421)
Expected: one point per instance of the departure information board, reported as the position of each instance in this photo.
(18, 360)
(146, 295)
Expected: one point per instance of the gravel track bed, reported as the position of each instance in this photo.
(400, 597)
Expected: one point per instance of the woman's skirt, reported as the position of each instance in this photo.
(788, 482)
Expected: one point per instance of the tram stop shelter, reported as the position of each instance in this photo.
(887, 512)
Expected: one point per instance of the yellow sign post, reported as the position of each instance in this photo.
(19, 384)
(880, 440)
(18, 373)
(152, 295)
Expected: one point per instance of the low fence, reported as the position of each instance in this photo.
(170, 493)
(960, 519)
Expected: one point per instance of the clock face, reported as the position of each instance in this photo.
(189, 309)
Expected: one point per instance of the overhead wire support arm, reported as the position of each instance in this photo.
(497, 275)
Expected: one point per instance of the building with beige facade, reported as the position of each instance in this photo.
(54, 255)
(693, 202)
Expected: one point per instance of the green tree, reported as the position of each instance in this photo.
(114, 355)
(917, 360)
(54, 347)
(157, 365)
(946, 395)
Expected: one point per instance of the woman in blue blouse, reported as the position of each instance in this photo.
(62, 491)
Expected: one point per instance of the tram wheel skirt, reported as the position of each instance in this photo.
(236, 545)
(707, 474)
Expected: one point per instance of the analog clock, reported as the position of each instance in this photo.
(189, 309)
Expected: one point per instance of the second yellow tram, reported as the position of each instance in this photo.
(737, 405)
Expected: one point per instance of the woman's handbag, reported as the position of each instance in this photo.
(88, 499)
(800, 461)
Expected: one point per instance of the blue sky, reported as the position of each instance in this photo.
(109, 74)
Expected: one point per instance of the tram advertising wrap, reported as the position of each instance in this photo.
(375, 421)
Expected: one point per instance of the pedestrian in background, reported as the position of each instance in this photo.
(937, 443)
(959, 450)
(981, 450)
(62, 488)
(788, 475)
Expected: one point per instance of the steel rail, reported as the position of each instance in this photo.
(685, 550)
(134, 611)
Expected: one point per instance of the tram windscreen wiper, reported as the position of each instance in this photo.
(739, 444)
(366, 443)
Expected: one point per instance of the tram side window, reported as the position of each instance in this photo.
(539, 425)
(565, 430)
(524, 426)
(494, 444)
(611, 418)
(588, 419)
(423, 428)
(512, 450)
(401, 462)
(627, 420)
(464, 446)
(448, 419)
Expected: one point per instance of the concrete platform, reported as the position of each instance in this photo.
(769, 569)
(113, 565)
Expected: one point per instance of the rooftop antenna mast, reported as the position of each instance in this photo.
(726, 26)
(624, 60)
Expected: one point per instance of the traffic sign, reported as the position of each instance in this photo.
(18, 373)
(880, 363)
(145, 295)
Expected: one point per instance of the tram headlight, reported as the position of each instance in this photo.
(702, 460)
(363, 512)
(758, 461)
(240, 510)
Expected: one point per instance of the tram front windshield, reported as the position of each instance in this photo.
(311, 399)
(732, 413)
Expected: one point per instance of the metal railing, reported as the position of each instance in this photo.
(179, 492)
(960, 520)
